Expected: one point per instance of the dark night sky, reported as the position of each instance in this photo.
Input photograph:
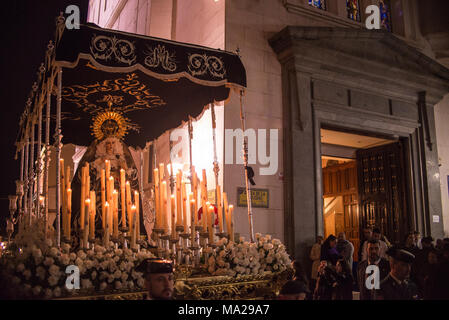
(27, 27)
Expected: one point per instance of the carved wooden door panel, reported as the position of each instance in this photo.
(382, 190)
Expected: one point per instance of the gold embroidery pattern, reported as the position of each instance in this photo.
(106, 48)
(160, 56)
(200, 64)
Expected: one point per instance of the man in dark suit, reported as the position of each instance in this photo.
(159, 279)
(396, 286)
(373, 259)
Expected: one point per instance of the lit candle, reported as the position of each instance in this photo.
(173, 217)
(128, 204)
(164, 206)
(103, 198)
(211, 220)
(194, 189)
(184, 206)
(178, 199)
(106, 230)
(137, 204)
(63, 194)
(115, 214)
(219, 207)
(83, 196)
(206, 216)
(122, 196)
(157, 199)
(226, 213)
(86, 222)
(108, 168)
(93, 208)
(231, 223)
(192, 221)
(133, 222)
(69, 212)
(68, 178)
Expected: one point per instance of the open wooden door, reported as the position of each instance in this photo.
(381, 172)
(340, 185)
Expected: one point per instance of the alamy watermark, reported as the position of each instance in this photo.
(373, 280)
(73, 278)
(257, 147)
(73, 20)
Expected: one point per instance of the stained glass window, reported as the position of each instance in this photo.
(320, 4)
(385, 14)
(353, 8)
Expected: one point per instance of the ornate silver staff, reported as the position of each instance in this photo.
(245, 163)
(215, 163)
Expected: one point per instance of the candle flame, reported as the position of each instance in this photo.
(87, 201)
(133, 207)
(192, 201)
(111, 178)
(106, 204)
(114, 192)
(127, 182)
(172, 196)
(122, 170)
(231, 206)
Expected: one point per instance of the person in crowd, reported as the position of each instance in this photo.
(427, 276)
(294, 290)
(376, 235)
(373, 259)
(343, 284)
(345, 248)
(439, 244)
(396, 286)
(442, 274)
(427, 243)
(300, 274)
(417, 239)
(421, 258)
(329, 251)
(366, 236)
(325, 282)
(159, 279)
(315, 255)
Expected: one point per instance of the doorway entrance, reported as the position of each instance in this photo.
(363, 185)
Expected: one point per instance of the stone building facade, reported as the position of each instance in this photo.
(311, 68)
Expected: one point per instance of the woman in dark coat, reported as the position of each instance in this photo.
(344, 281)
(329, 250)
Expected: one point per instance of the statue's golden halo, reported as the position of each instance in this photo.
(109, 124)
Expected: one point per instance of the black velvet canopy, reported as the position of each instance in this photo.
(148, 85)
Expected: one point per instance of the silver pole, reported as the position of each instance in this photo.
(22, 158)
(31, 172)
(27, 155)
(245, 162)
(58, 138)
(216, 167)
(39, 159)
(47, 154)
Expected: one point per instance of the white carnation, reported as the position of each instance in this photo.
(103, 286)
(72, 256)
(40, 272)
(52, 281)
(81, 254)
(65, 247)
(118, 252)
(117, 274)
(57, 292)
(54, 252)
(37, 290)
(86, 283)
(20, 267)
(65, 259)
(48, 242)
(54, 270)
(130, 284)
(124, 277)
(118, 285)
(79, 262)
(27, 274)
(141, 283)
(37, 253)
(48, 293)
(49, 261)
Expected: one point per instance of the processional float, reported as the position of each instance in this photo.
(123, 89)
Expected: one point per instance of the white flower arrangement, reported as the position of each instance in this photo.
(244, 258)
(38, 270)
